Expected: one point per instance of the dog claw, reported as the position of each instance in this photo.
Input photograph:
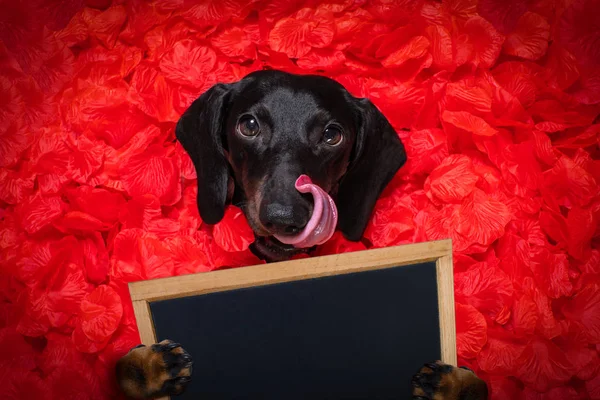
(433, 366)
(171, 346)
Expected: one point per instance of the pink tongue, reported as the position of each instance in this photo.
(322, 222)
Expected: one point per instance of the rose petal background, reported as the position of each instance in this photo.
(497, 102)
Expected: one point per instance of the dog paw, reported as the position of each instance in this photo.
(163, 369)
(439, 381)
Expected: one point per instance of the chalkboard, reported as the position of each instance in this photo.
(351, 326)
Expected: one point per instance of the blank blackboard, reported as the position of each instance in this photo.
(353, 326)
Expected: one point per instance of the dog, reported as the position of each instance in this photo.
(249, 142)
(257, 143)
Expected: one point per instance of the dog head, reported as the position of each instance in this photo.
(250, 140)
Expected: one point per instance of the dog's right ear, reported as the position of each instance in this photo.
(200, 132)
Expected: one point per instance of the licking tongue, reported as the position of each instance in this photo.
(322, 222)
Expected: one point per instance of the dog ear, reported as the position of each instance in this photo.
(200, 132)
(378, 153)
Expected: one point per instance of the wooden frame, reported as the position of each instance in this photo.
(145, 292)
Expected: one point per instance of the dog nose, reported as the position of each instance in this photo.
(282, 219)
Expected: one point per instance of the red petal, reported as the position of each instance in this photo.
(501, 354)
(237, 42)
(585, 361)
(145, 212)
(471, 331)
(188, 63)
(561, 67)
(338, 244)
(593, 387)
(100, 203)
(468, 122)
(482, 219)
(390, 223)
(213, 12)
(425, 150)
(587, 90)
(416, 47)
(84, 344)
(190, 255)
(152, 94)
(524, 316)
(441, 47)
(568, 184)
(551, 273)
(543, 365)
(95, 258)
(504, 15)
(530, 38)
(15, 185)
(502, 388)
(101, 312)
(484, 287)
(584, 309)
(581, 226)
(16, 352)
(138, 255)
(40, 211)
(578, 31)
(296, 36)
(233, 232)
(320, 59)
(105, 26)
(78, 222)
(452, 180)
(152, 172)
(547, 326)
(559, 393)
(470, 94)
(486, 41)
(400, 103)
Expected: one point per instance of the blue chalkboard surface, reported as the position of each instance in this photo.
(360, 335)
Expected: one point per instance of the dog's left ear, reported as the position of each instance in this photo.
(378, 153)
(200, 132)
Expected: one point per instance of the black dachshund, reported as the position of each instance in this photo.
(252, 139)
(267, 143)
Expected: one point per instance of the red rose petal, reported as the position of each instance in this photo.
(189, 255)
(101, 312)
(390, 224)
(233, 232)
(530, 38)
(152, 172)
(39, 211)
(504, 15)
(484, 287)
(296, 36)
(578, 31)
(486, 41)
(468, 122)
(543, 365)
(524, 316)
(452, 180)
(501, 354)
(471, 331)
(188, 63)
(584, 309)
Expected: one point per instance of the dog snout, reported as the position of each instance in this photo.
(284, 219)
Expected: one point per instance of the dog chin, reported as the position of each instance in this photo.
(272, 250)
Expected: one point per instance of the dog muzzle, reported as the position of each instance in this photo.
(323, 221)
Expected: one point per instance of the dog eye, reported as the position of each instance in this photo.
(248, 126)
(332, 135)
